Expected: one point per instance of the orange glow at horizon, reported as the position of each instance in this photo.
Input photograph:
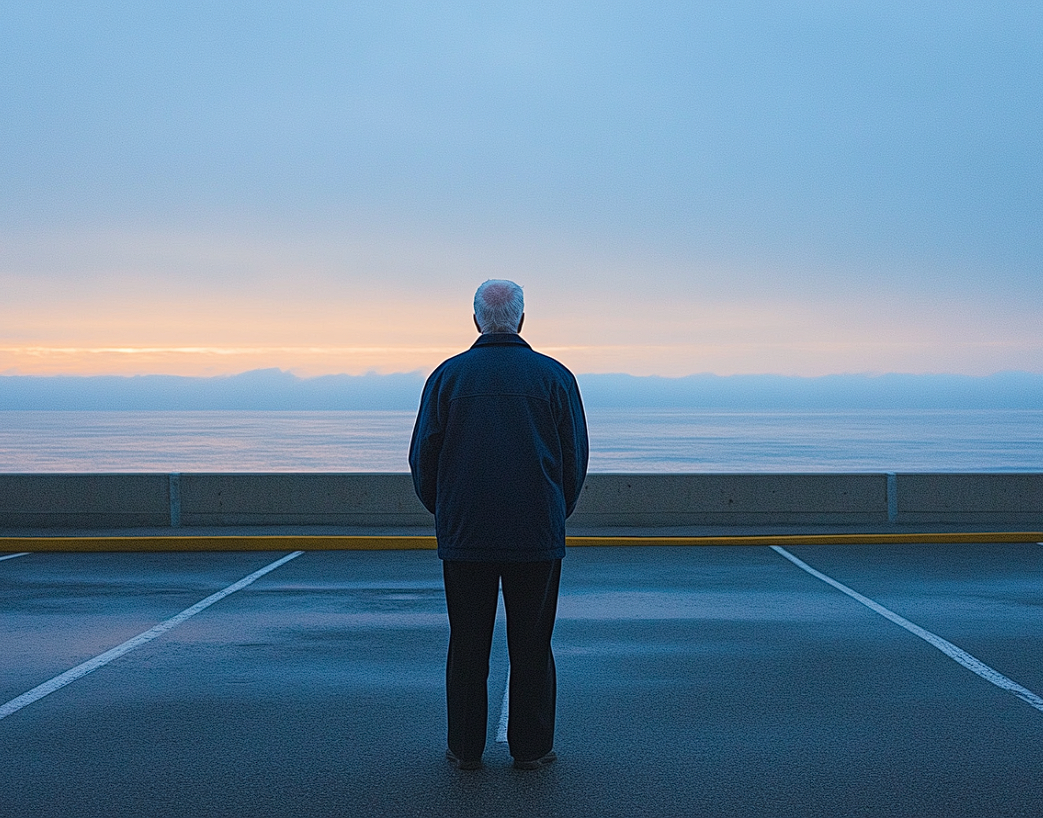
(663, 360)
(225, 334)
(193, 308)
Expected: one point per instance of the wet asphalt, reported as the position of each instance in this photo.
(700, 681)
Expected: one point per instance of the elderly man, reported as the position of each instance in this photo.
(499, 454)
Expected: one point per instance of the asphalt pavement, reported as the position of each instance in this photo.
(693, 681)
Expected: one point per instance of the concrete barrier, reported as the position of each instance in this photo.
(731, 500)
(360, 501)
(84, 500)
(354, 500)
(977, 499)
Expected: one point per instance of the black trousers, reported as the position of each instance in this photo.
(530, 597)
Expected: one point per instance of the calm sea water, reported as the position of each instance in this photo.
(622, 440)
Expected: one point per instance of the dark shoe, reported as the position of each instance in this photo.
(536, 763)
(460, 764)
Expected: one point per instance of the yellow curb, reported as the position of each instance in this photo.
(279, 542)
(819, 539)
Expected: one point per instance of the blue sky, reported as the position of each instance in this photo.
(731, 187)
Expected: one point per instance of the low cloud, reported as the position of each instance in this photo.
(278, 390)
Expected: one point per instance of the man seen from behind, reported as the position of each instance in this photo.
(499, 455)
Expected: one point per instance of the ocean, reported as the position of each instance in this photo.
(622, 440)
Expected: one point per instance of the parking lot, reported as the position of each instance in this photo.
(716, 681)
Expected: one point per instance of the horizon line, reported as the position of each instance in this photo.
(420, 372)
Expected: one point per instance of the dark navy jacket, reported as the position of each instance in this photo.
(499, 452)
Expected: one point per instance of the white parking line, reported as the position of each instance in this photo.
(948, 648)
(103, 659)
(12, 556)
(501, 731)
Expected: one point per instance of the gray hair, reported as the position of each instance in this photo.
(498, 306)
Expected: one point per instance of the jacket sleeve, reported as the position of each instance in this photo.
(574, 448)
(425, 448)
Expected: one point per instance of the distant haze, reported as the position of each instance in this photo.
(273, 389)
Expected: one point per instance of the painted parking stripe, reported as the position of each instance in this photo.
(501, 731)
(12, 556)
(948, 648)
(505, 713)
(103, 659)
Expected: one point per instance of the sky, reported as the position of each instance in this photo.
(734, 187)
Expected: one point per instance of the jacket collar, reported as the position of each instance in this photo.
(499, 339)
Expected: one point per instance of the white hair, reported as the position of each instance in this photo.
(498, 306)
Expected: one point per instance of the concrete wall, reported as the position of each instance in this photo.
(971, 498)
(731, 499)
(84, 500)
(301, 499)
(608, 500)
